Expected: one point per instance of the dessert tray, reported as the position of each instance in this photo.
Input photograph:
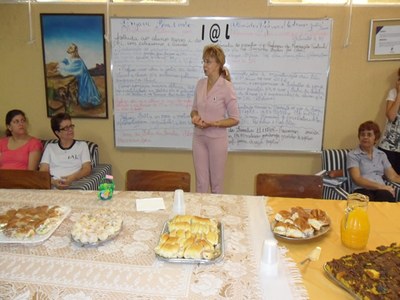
(339, 283)
(372, 274)
(195, 244)
(306, 224)
(32, 224)
(96, 228)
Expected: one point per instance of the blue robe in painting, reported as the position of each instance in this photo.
(89, 95)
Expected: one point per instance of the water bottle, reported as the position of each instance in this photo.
(106, 188)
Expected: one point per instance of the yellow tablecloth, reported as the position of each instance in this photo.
(385, 229)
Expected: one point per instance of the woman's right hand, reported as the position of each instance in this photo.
(197, 121)
(59, 183)
(390, 189)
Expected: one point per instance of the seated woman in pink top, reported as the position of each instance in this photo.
(19, 150)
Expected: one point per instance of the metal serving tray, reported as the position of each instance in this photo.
(220, 247)
(339, 283)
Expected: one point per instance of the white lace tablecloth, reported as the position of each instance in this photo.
(126, 267)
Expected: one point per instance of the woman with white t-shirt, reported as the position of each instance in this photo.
(390, 142)
(69, 159)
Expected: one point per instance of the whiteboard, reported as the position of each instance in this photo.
(279, 68)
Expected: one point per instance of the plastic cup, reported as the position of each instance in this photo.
(270, 252)
(179, 203)
(270, 258)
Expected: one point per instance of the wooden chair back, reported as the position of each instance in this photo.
(24, 179)
(153, 180)
(289, 185)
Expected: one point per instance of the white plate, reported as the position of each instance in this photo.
(316, 233)
(37, 238)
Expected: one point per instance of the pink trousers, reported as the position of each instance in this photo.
(209, 157)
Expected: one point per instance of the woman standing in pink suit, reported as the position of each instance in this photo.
(19, 150)
(214, 110)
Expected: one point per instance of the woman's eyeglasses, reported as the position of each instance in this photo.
(207, 61)
(66, 128)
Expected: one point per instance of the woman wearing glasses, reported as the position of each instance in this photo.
(368, 165)
(19, 150)
(214, 110)
(69, 159)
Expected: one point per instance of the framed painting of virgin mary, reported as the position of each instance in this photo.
(74, 64)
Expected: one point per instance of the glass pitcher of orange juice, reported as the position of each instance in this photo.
(355, 225)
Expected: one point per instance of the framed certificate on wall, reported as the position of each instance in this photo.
(384, 40)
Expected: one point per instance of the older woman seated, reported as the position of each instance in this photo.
(367, 165)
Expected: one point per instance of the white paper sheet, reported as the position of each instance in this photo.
(150, 204)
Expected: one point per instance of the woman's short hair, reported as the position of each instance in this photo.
(10, 115)
(370, 125)
(56, 121)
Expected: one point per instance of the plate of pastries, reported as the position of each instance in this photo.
(373, 274)
(300, 223)
(96, 227)
(191, 239)
(31, 224)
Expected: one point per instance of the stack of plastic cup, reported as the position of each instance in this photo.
(179, 203)
(270, 258)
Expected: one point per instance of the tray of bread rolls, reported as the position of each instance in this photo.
(300, 224)
(191, 240)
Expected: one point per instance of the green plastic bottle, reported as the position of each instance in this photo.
(106, 188)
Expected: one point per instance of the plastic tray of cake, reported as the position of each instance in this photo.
(219, 250)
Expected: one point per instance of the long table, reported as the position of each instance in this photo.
(126, 267)
(385, 229)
